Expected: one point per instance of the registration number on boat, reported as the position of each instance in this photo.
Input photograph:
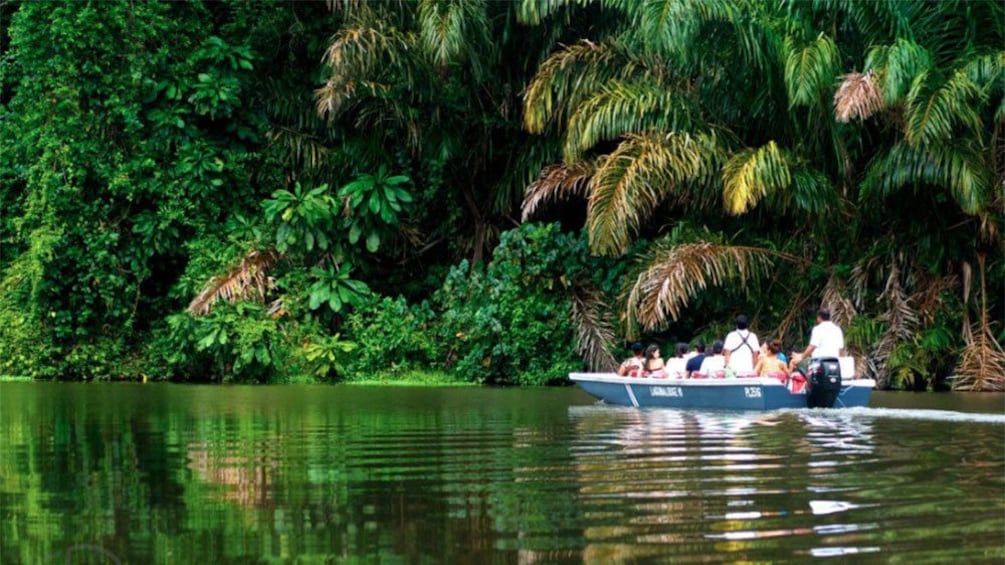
(752, 391)
(668, 391)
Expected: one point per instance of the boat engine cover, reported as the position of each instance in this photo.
(824, 376)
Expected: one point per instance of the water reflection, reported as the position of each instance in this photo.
(717, 477)
(239, 474)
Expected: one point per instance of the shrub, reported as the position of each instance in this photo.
(509, 323)
(392, 337)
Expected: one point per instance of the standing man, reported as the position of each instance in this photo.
(827, 340)
(741, 347)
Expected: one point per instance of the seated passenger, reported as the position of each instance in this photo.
(654, 363)
(674, 367)
(633, 365)
(694, 363)
(768, 363)
(714, 365)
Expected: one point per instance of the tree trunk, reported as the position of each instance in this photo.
(481, 227)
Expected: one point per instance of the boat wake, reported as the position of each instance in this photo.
(911, 414)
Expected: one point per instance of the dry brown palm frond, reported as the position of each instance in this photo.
(902, 315)
(557, 182)
(679, 272)
(928, 295)
(901, 318)
(842, 309)
(858, 281)
(982, 363)
(249, 279)
(857, 97)
(330, 97)
(354, 56)
(594, 334)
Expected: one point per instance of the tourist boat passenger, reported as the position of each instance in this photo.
(714, 364)
(633, 365)
(768, 363)
(654, 366)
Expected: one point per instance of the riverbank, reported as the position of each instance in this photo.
(428, 378)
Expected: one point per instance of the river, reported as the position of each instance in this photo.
(162, 473)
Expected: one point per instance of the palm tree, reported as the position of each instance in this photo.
(432, 82)
(726, 108)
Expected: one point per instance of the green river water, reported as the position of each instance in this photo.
(160, 473)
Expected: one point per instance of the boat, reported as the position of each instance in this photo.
(830, 383)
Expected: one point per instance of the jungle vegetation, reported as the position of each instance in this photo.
(265, 191)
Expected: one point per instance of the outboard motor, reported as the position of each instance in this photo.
(824, 376)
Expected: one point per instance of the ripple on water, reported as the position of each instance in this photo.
(337, 476)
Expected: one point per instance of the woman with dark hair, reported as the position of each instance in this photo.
(653, 362)
(768, 363)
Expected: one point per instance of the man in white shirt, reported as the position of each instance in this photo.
(741, 347)
(827, 340)
(713, 364)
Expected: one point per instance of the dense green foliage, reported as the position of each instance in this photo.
(189, 194)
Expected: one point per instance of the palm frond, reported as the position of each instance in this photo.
(618, 107)
(895, 67)
(533, 12)
(932, 115)
(635, 178)
(810, 192)
(354, 55)
(982, 362)
(671, 25)
(751, 174)
(343, 5)
(860, 278)
(441, 30)
(928, 296)
(957, 166)
(835, 299)
(900, 318)
(810, 70)
(525, 164)
(857, 97)
(677, 273)
(301, 148)
(570, 75)
(556, 183)
(391, 115)
(594, 333)
(248, 280)
(452, 30)
(881, 20)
